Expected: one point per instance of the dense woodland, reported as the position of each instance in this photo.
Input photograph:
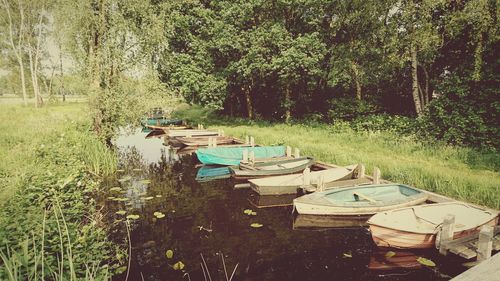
(315, 60)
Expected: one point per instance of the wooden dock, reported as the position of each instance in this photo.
(488, 270)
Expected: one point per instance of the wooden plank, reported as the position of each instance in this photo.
(488, 270)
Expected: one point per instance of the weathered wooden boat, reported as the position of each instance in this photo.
(190, 133)
(209, 172)
(271, 168)
(167, 127)
(288, 184)
(233, 155)
(204, 140)
(163, 122)
(359, 200)
(416, 227)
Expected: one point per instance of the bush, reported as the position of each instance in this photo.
(349, 109)
(385, 122)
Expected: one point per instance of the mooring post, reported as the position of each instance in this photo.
(252, 157)
(306, 177)
(362, 170)
(446, 234)
(209, 141)
(247, 140)
(214, 142)
(252, 142)
(288, 151)
(198, 126)
(296, 153)
(221, 133)
(321, 184)
(376, 175)
(201, 127)
(485, 243)
(245, 156)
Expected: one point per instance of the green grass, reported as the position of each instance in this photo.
(461, 173)
(50, 167)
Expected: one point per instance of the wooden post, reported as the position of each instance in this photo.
(446, 233)
(320, 185)
(485, 243)
(362, 170)
(306, 177)
(376, 175)
(296, 153)
(252, 142)
(201, 127)
(198, 126)
(247, 140)
(245, 156)
(214, 142)
(221, 133)
(252, 157)
(288, 151)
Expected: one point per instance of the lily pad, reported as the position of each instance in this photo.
(123, 199)
(116, 188)
(347, 255)
(169, 254)
(133, 217)
(137, 170)
(111, 198)
(426, 262)
(159, 215)
(253, 213)
(148, 198)
(256, 225)
(178, 265)
(247, 211)
(121, 212)
(158, 196)
(125, 178)
(390, 254)
(145, 181)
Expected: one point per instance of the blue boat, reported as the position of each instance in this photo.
(229, 156)
(208, 173)
(163, 122)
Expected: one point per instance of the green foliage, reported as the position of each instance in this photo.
(349, 109)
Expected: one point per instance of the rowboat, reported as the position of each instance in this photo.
(271, 168)
(233, 155)
(167, 127)
(208, 173)
(190, 133)
(163, 122)
(288, 184)
(204, 140)
(416, 227)
(359, 200)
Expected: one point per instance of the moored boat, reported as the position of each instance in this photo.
(163, 122)
(359, 200)
(204, 140)
(271, 168)
(233, 155)
(167, 127)
(288, 184)
(416, 227)
(190, 133)
(208, 173)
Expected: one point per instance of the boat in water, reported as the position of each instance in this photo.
(271, 168)
(232, 156)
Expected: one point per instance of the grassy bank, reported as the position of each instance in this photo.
(50, 164)
(458, 172)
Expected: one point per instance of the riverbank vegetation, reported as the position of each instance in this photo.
(50, 225)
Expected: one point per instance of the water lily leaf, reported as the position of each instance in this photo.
(390, 254)
(121, 199)
(125, 178)
(137, 170)
(169, 254)
(158, 196)
(111, 198)
(145, 181)
(256, 225)
(133, 217)
(116, 188)
(121, 212)
(426, 262)
(247, 211)
(253, 213)
(347, 255)
(159, 215)
(148, 198)
(178, 265)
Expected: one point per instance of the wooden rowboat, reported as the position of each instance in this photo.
(204, 140)
(190, 132)
(288, 184)
(233, 155)
(167, 127)
(416, 227)
(359, 200)
(271, 168)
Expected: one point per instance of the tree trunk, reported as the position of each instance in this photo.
(478, 58)
(356, 78)
(248, 98)
(414, 92)
(426, 89)
(23, 80)
(288, 104)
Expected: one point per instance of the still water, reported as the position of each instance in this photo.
(207, 229)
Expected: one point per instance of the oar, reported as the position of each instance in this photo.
(364, 197)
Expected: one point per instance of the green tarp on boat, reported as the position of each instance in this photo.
(233, 155)
(163, 122)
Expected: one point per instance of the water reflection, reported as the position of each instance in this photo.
(208, 218)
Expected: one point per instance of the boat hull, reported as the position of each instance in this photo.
(277, 170)
(232, 156)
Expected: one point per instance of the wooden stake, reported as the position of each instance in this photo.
(210, 141)
(321, 184)
(247, 140)
(362, 170)
(288, 151)
(306, 177)
(485, 243)
(252, 157)
(376, 175)
(245, 156)
(296, 153)
(252, 142)
(446, 233)
(201, 127)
